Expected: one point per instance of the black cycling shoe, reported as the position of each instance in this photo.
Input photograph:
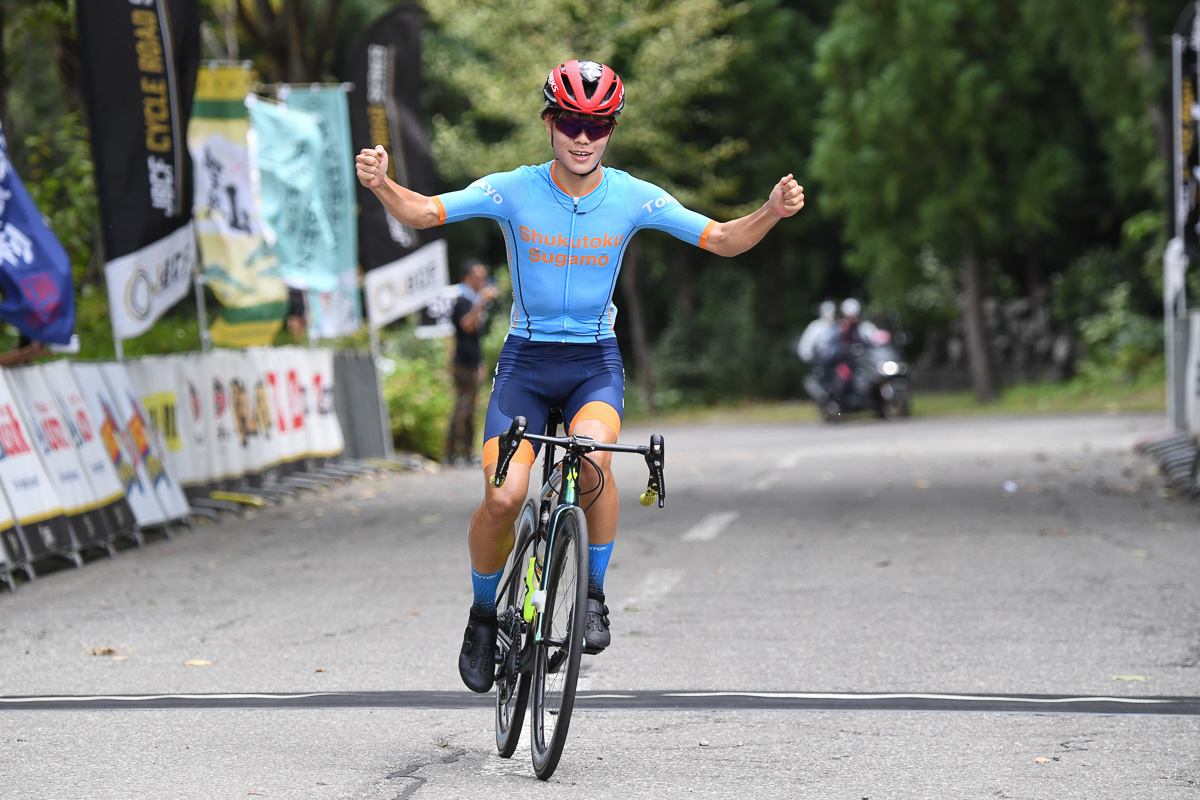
(595, 628)
(477, 661)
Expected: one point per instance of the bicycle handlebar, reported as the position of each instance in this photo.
(653, 453)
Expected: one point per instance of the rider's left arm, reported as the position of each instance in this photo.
(737, 236)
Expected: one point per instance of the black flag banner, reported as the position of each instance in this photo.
(385, 68)
(140, 59)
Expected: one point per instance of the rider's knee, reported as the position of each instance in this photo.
(504, 503)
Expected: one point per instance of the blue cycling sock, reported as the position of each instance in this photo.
(484, 587)
(598, 556)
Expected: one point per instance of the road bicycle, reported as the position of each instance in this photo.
(542, 597)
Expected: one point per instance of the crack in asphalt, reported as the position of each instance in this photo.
(410, 771)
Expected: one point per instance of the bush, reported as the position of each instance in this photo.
(1122, 344)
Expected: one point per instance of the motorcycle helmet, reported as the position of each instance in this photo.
(584, 87)
(828, 310)
(851, 308)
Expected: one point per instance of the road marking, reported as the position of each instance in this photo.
(634, 701)
(765, 482)
(656, 584)
(710, 527)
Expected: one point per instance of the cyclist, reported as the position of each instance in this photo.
(566, 225)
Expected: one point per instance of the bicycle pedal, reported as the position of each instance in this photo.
(556, 660)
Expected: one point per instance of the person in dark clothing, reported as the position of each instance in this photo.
(475, 295)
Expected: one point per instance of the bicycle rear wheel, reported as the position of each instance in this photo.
(512, 683)
(556, 659)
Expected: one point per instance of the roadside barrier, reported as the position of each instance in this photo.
(92, 453)
(1177, 449)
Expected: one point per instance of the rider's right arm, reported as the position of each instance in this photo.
(411, 208)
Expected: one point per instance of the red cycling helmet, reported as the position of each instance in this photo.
(585, 87)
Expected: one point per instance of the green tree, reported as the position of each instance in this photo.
(951, 128)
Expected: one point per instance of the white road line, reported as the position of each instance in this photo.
(656, 584)
(790, 461)
(765, 482)
(710, 527)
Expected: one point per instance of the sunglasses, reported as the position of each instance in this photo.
(572, 127)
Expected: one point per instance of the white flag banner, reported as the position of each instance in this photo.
(406, 285)
(172, 403)
(58, 453)
(285, 401)
(225, 451)
(251, 417)
(11, 550)
(324, 430)
(144, 441)
(85, 429)
(31, 495)
(147, 282)
(102, 408)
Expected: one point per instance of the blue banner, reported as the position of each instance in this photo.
(35, 273)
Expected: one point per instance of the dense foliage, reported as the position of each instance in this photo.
(954, 153)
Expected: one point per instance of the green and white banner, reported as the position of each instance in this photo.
(289, 152)
(241, 269)
(337, 310)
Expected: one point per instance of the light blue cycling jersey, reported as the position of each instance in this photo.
(565, 252)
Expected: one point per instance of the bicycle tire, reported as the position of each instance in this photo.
(512, 683)
(556, 660)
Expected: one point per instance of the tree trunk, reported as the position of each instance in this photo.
(978, 357)
(643, 361)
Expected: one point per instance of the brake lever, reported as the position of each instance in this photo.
(656, 487)
(509, 442)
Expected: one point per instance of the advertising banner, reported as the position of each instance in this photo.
(385, 69)
(143, 441)
(324, 432)
(285, 403)
(31, 495)
(139, 63)
(407, 285)
(241, 270)
(226, 461)
(102, 409)
(251, 417)
(84, 429)
(288, 156)
(336, 161)
(35, 273)
(59, 455)
(172, 400)
(12, 551)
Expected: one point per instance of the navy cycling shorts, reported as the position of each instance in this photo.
(586, 380)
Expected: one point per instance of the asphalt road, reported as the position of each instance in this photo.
(999, 608)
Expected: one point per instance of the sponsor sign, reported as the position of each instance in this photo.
(406, 285)
(139, 73)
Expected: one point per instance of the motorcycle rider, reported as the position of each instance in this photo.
(853, 333)
(818, 345)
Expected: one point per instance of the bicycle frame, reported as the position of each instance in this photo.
(568, 468)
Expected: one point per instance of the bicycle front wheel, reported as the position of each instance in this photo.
(556, 658)
(513, 677)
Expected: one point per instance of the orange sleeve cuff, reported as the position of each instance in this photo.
(704, 236)
(442, 211)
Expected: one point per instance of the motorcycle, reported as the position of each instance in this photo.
(866, 377)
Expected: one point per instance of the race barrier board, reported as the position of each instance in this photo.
(95, 452)
(60, 457)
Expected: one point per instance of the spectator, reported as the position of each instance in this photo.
(470, 315)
